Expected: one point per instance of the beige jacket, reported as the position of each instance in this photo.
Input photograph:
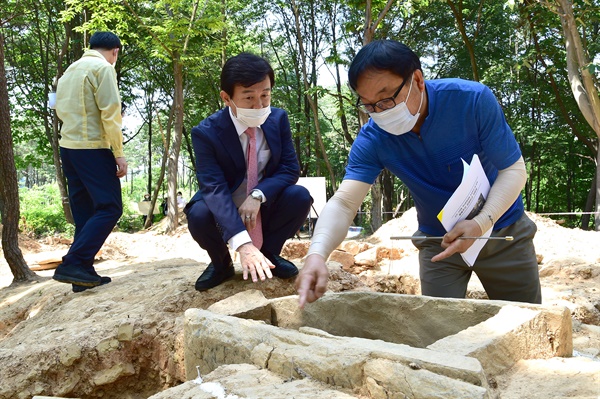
(89, 105)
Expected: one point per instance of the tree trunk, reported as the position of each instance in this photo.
(9, 188)
(597, 190)
(338, 86)
(368, 34)
(589, 206)
(538, 184)
(60, 177)
(387, 191)
(166, 138)
(150, 109)
(457, 10)
(190, 149)
(173, 161)
(376, 221)
(582, 82)
(311, 101)
(153, 199)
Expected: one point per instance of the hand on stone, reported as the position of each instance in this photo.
(254, 262)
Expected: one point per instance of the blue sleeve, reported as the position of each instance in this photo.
(496, 137)
(363, 162)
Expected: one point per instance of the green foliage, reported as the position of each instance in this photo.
(31, 40)
(518, 47)
(106, 15)
(42, 213)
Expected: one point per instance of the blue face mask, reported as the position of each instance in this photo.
(397, 120)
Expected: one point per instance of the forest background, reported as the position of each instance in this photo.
(540, 58)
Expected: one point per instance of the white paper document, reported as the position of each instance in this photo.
(466, 202)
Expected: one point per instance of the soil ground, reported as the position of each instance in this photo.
(153, 275)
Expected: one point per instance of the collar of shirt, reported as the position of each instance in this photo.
(94, 53)
(239, 126)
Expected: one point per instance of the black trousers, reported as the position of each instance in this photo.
(95, 199)
(280, 221)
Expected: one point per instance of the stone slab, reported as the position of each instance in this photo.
(418, 346)
(513, 334)
(213, 340)
(240, 381)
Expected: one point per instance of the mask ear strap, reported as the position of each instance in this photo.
(421, 103)
(412, 79)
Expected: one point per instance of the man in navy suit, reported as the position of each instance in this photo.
(225, 209)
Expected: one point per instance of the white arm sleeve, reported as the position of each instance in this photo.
(336, 217)
(502, 195)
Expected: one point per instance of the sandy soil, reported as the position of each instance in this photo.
(153, 275)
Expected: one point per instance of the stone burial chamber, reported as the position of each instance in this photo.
(374, 345)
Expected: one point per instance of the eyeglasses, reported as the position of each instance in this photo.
(384, 104)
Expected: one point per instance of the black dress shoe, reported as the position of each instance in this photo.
(283, 268)
(81, 288)
(213, 276)
(74, 274)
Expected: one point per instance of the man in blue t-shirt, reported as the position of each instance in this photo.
(421, 131)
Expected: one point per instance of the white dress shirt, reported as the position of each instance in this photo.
(263, 156)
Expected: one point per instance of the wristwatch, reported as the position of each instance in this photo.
(256, 195)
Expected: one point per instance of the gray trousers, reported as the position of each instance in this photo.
(508, 270)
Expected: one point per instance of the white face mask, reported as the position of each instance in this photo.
(397, 120)
(252, 117)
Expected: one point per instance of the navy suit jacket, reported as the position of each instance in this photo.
(221, 166)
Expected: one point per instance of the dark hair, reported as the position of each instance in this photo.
(383, 55)
(105, 41)
(245, 69)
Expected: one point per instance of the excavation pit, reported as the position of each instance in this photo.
(377, 345)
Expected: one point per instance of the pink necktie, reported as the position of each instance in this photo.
(252, 170)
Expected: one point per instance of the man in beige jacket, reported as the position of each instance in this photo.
(91, 149)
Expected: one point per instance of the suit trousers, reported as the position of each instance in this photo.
(95, 199)
(508, 270)
(280, 220)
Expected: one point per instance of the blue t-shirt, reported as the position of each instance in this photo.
(464, 119)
